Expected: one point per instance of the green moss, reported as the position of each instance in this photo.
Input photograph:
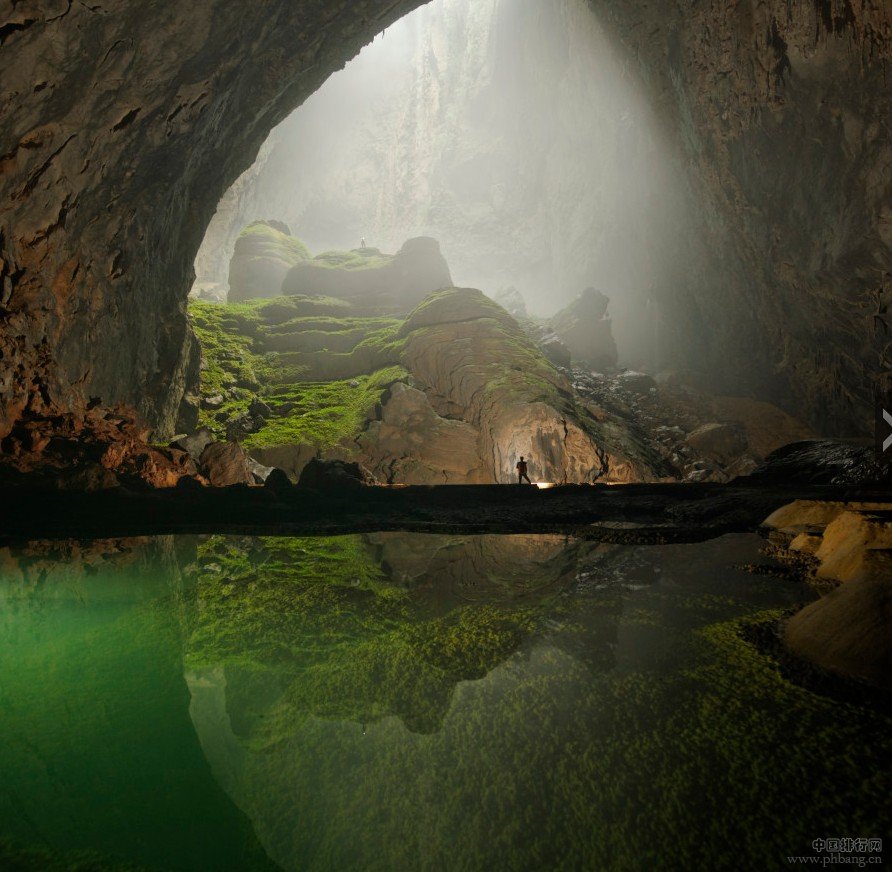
(352, 260)
(20, 858)
(275, 310)
(344, 640)
(268, 242)
(324, 413)
(329, 324)
(325, 408)
(228, 358)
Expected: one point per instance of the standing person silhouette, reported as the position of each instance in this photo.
(521, 468)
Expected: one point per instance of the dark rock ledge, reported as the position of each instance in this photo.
(627, 513)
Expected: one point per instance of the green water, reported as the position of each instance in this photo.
(402, 701)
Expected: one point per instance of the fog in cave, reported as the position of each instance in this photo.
(512, 131)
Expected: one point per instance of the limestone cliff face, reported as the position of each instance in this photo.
(122, 126)
(781, 109)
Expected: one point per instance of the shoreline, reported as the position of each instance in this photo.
(632, 514)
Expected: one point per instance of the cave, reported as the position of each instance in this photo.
(417, 417)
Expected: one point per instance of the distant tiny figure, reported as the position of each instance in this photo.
(362, 242)
(522, 471)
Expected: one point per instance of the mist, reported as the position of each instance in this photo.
(511, 131)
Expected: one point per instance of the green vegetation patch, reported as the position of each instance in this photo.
(267, 242)
(317, 397)
(323, 413)
(357, 259)
(319, 618)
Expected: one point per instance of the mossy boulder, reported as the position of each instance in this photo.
(377, 282)
(454, 393)
(264, 253)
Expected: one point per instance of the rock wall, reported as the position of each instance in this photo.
(123, 124)
(780, 110)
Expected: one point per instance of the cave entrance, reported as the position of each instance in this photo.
(499, 145)
(511, 132)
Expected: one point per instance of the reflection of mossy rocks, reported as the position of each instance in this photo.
(322, 626)
(264, 252)
(379, 282)
(584, 328)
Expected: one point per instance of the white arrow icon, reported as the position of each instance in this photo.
(888, 441)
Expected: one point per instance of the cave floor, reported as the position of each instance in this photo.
(620, 513)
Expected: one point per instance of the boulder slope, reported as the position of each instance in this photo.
(455, 393)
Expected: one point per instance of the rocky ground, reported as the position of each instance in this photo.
(448, 391)
(453, 389)
(845, 549)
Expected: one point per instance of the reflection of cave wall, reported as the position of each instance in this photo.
(122, 130)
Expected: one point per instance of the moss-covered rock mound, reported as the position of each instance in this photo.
(264, 252)
(454, 393)
(380, 282)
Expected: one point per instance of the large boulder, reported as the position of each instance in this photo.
(225, 463)
(584, 327)
(476, 365)
(857, 545)
(848, 546)
(847, 631)
(324, 475)
(264, 253)
(717, 441)
(379, 282)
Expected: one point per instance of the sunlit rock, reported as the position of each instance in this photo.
(848, 547)
(847, 630)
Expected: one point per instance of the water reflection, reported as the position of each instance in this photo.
(405, 701)
(359, 628)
